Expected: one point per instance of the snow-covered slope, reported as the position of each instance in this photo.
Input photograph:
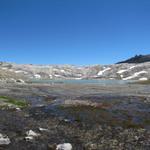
(122, 71)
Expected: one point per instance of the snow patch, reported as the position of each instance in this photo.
(43, 129)
(57, 75)
(102, 71)
(51, 77)
(121, 71)
(132, 67)
(78, 78)
(37, 76)
(143, 79)
(121, 76)
(141, 72)
(135, 75)
(20, 71)
(125, 70)
(63, 71)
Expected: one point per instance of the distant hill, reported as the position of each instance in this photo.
(137, 59)
(133, 69)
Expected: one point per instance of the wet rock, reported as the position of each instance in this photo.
(65, 146)
(4, 140)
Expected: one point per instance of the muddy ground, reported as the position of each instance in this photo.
(89, 117)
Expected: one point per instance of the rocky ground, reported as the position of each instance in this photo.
(81, 117)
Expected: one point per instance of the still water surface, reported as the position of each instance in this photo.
(73, 81)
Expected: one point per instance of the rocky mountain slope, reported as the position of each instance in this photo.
(123, 71)
(137, 59)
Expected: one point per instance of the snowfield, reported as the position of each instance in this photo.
(135, 75)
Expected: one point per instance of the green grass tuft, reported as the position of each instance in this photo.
(14, 102)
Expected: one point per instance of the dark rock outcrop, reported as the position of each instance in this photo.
(137, 59)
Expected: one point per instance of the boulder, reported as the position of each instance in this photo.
(4, 140)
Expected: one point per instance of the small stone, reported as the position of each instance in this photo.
(30, 135)
(18, 109)
(65, 146)
(136, 138)
(66, 120)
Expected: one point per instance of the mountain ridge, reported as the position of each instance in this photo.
(137, 59)
(121, 71)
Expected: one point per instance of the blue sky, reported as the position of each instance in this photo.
(73, 31)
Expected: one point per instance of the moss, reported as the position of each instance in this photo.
(130, 124)
(89, 115)
(147, 122)
(92, 115)
(14, 102)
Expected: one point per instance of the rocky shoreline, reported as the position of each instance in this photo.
(78, 117)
